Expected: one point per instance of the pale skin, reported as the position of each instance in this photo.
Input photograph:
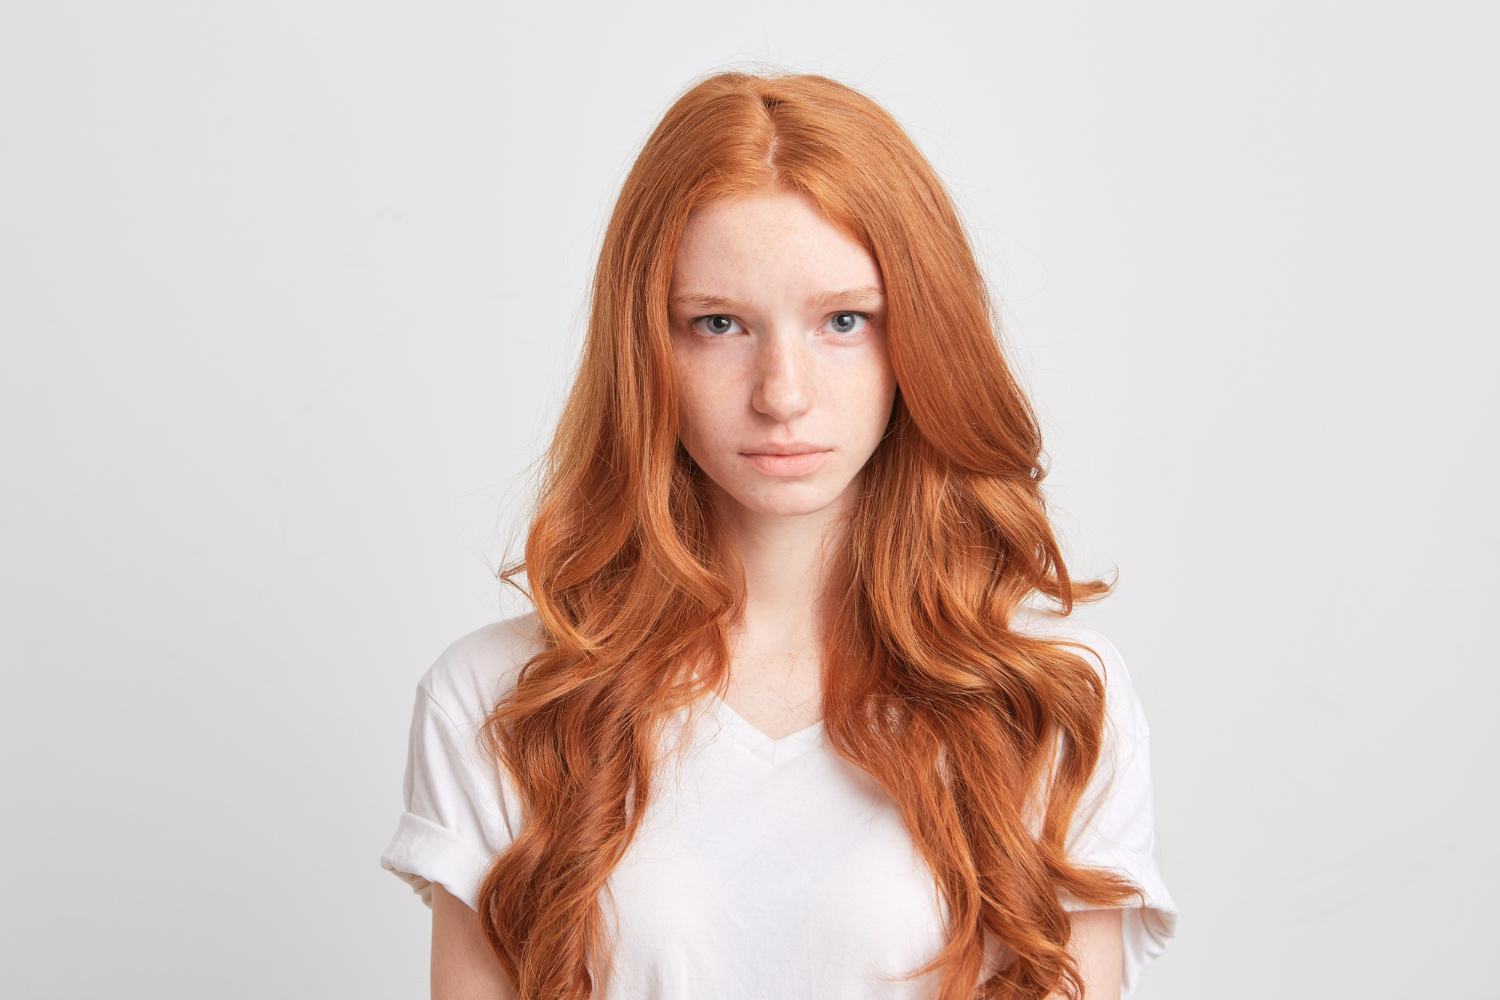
(778, 331)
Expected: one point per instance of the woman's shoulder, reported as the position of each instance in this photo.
(475, 671)
(1096, 650)
(1043, 623)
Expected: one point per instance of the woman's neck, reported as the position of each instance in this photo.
(774, 674)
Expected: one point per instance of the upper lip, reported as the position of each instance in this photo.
(790, 448)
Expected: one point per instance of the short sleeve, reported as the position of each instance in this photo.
(1114, 826)
(459, 810)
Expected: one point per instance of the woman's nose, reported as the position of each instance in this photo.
(783, 389)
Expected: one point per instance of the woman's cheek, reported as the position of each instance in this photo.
(702, 414)
(716, 393)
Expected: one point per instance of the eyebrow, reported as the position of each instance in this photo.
(702, 301)
(865, 295)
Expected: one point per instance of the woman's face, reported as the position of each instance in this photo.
(778, 329)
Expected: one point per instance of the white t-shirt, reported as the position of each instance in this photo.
(763, 868)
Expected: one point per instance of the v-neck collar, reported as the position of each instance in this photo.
(771, 751)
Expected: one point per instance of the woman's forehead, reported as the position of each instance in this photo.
(732, 247)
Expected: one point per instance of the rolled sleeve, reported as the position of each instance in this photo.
(457, 805)
(1114, 827)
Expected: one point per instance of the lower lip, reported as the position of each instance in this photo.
(789, 465)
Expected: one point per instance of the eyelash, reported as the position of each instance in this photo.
(697, 324)
(850, 312)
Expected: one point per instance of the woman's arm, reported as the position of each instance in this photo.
(1098, 947)
(463, 967)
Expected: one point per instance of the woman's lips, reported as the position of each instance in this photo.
(782, 463)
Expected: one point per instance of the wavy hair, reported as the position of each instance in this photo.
(983, 737)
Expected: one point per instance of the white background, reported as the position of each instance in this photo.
(289, 294)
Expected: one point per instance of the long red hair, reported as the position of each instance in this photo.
(982, 736)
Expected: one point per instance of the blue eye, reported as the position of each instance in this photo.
(847, 322)
(716, 325)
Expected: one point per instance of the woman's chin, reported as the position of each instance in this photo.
(787, 498)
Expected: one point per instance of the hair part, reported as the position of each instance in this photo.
(983, 737)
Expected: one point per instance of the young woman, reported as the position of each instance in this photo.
(791, 718)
